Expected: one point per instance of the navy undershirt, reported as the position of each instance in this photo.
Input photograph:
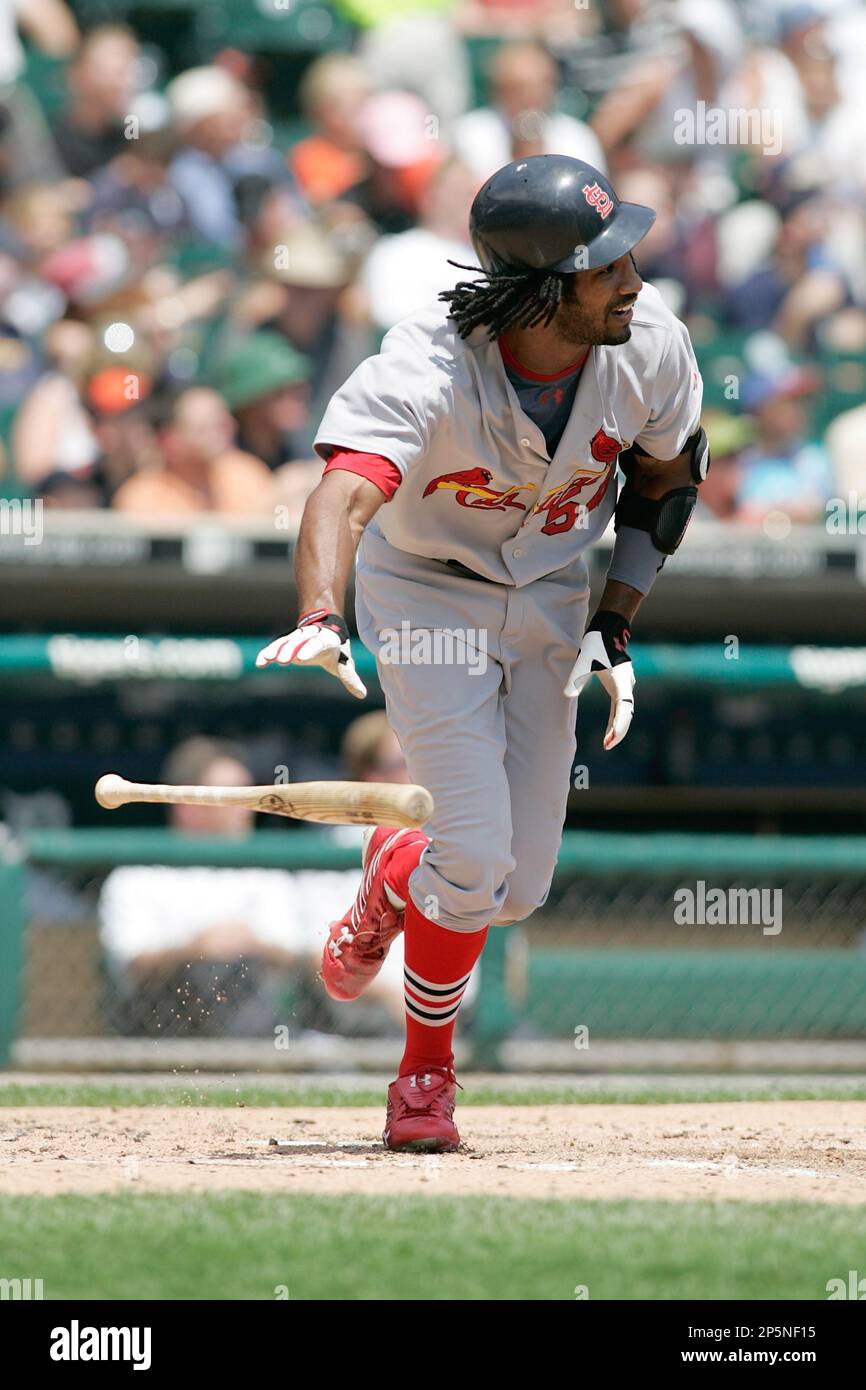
(546, 400)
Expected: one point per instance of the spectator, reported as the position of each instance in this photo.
(414, 44)
(27, 150)
(332, 159)
(846, 441)
(39, 227)
(213, 114)
(799, 285)
(202, 469)
(102, 79)
(82, 430)
(371, 750)
(314, 313)
(603, 45)
(265, 385)
(783, 470)
(406, 271)
(727, 435)
(21, 366)
(210, 111)
(638, 115)
(521, 119)
(401, 139)
(520, 19)
(202, 950)
(53, 432)
(801, 79)
(679, 254)
(118, 397)
(134, 190)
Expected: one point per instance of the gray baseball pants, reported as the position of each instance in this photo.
(473, 674)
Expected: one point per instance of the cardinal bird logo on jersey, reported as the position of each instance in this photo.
(472, 489)
(603, 448)
(566, 506)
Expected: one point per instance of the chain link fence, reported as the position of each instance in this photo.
(188, 952)
(642, 938)
(674, 955)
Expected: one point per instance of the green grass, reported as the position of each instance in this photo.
(246, 1094)
(240, 1245)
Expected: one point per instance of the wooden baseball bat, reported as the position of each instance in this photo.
(339, 803)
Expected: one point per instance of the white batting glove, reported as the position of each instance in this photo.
(604, 652)
(320, 639)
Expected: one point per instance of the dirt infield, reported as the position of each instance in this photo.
(769, 1150)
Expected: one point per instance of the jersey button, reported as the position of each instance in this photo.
(517, 552)
(525, 443)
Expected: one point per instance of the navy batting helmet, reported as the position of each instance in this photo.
(551, 212)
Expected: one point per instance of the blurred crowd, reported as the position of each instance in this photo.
(193, 257)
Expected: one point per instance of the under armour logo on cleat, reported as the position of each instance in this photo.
(334, 946)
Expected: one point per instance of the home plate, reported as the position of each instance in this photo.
(730, 1166)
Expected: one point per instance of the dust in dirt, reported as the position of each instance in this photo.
(767, 1150)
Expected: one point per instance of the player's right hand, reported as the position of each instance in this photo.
(320, 639)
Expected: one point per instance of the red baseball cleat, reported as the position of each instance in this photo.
(420, 1112)
(358, 944)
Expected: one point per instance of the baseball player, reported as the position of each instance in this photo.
(470, 464)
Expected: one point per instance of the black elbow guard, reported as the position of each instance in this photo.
(667, 517)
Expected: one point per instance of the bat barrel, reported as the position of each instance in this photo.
(340, 803)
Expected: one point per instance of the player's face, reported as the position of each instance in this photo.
(599, 308)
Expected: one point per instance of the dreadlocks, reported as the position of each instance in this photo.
(502, 299)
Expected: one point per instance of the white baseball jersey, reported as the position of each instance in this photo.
(478, 485)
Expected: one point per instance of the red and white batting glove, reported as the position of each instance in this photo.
(320, 639)
(604, 652)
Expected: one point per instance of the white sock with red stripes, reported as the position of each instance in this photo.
(438, 964)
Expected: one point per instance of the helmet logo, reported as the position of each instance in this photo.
(598, 199)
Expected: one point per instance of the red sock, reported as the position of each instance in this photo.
(438, 965)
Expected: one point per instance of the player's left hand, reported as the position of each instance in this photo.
(604, 652)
